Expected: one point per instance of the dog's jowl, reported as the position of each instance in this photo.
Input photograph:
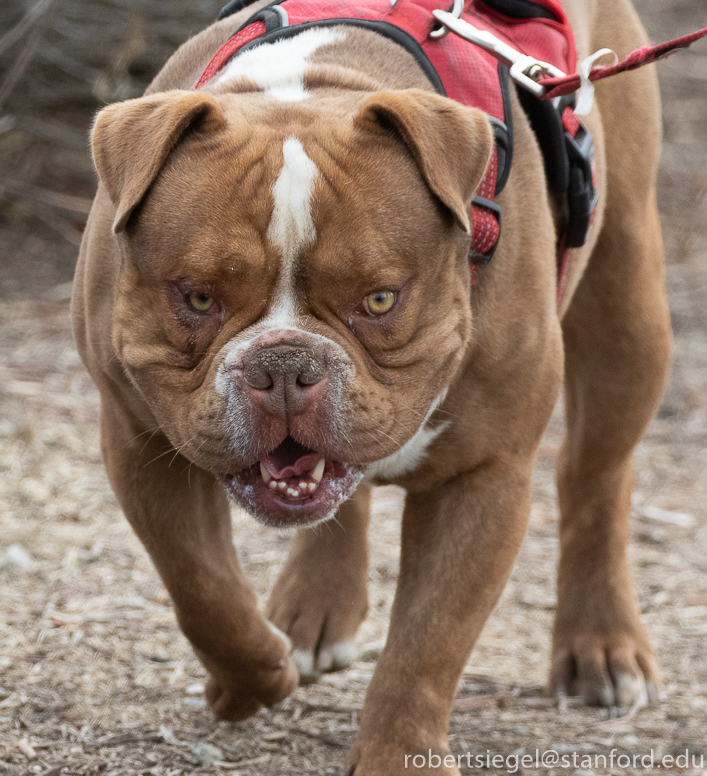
(329, 252)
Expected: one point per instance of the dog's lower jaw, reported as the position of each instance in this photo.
(248, 489)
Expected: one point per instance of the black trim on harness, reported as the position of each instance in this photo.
(546, 123)
(504, 140)
(520, 9)
(386, 29)
(233, 7)
(582, 195)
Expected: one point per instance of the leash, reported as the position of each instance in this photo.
(560, 86)
(545, 81)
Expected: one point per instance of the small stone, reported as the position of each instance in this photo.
(199, 703)
(168, 736)
(681, 519)
(36, 490)
(16, 558)
(206, 753)
(26, 748)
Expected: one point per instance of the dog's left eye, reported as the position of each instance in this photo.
(379, 302)
(202, 303)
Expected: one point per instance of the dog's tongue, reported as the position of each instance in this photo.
(290, 459)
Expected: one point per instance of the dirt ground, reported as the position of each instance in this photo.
(95, 676)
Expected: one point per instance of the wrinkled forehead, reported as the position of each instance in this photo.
(278, 185)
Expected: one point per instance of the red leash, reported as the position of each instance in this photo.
(557, 87)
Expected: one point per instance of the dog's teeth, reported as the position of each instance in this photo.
(293, 492)
(312, 486)
(282, 485)
(318, 472)
(303, 486)
(272, 485)
(264, 473)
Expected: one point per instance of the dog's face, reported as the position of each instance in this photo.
(294, 294)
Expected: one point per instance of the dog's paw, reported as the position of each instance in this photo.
(321, 614)
(237, 698)
(617, 670)
(236, 695)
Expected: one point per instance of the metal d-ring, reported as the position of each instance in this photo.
(456, 12)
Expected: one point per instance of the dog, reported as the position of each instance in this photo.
(273, 297)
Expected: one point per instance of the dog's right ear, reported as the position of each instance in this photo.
(131, 141)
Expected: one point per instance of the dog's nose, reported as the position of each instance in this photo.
(284, 376)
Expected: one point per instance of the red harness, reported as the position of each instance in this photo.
(472, 76)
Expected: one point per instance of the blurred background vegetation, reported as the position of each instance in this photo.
(60, 61)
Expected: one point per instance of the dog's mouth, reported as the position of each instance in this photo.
(293, 485)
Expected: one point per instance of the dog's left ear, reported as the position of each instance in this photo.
(451, 143)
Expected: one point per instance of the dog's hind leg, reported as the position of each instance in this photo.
(617, 342)
(320, 597)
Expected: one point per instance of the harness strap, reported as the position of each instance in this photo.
(229, 48)
(485, 216)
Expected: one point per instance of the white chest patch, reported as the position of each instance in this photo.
(278, 68)
(291, 228)
(414, 451)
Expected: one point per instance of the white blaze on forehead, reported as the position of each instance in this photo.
(278, 68)
(291, 228)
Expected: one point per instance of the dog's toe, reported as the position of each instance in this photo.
(605, 674)
(306, 665)
(335, 657)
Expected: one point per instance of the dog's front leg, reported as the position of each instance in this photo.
(182, 517)
(459, 542)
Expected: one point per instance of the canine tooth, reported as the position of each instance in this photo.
(272, 485)
(265, 474)
(318, 472)
(312, 486)
(282, 485)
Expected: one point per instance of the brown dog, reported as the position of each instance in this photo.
(275, 287)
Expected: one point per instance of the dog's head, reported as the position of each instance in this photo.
(294, 293)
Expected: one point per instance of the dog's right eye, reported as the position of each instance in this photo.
(379, 302)
(201, 303)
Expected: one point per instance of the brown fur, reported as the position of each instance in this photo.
(176, 165)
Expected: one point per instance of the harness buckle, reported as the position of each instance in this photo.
(527, 71)
(456, 12)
